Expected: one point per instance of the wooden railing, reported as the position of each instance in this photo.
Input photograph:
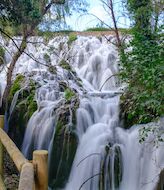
(33, 174)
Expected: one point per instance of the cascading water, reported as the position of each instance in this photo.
(107, 157)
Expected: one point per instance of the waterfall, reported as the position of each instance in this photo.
(107, 157)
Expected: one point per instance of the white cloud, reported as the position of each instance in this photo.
(99, 12)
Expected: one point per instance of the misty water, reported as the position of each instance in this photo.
(108, 157)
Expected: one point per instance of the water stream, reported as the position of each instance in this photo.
(108, 157)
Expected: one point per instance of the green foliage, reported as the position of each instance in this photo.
(144, 72)
(23, 11)
(125, 30)
(2, 55)
(29, 13)
(142, 69)
(154, 131)
(71, 38)
(69, 94)
(141, 12)
(97, 29)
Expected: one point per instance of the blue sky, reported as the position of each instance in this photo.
(82, 22)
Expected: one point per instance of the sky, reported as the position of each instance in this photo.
(82, 22)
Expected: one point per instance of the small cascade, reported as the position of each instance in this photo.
(77, 118)
(97, 118)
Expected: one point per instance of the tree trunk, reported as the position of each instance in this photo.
(160, 185)
(119, 44)
(10, 73)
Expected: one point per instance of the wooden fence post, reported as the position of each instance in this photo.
(26, 180)
(40, 161)
(1, 146)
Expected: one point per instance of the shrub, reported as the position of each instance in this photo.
(97, 29)
(143, 71)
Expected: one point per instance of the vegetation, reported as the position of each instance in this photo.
(71, 38)
(155, 131)
(96, 29)
(64, 144)
(68, 94)
(16, 85)
(65, 65)
(25, 106)
(47, 58)
(2, 55)
(142, 69)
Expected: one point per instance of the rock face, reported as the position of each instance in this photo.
(11, 177)
(64, 143)
(22, 105)
(160, 185)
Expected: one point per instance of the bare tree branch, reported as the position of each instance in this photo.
(93, 154)
(107, 80)
(88, 180)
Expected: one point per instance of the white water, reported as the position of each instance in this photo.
(97, 117)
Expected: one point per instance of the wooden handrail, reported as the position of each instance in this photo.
(40, 159)
(15, 154)
(33, 176)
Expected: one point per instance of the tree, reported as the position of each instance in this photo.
(158, 8)
(142, 67)
(28, 14)
(109, 7)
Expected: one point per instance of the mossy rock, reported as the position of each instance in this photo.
(63, 148)
(69, 94)
(2, 55)
(106, 167)
(16, 86)
(117, 167)
(65, 65)
(52, 69)
(26, 105)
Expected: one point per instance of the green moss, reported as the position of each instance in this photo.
(65, 65)
(32, 105)
(97, 29)
(69, 94)
(16, 86)
(59, 126)
(2, 55)
(52, 69)
(71, 38)
(47, 58)
(63, 147)
(62, 155)
(26, 105)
